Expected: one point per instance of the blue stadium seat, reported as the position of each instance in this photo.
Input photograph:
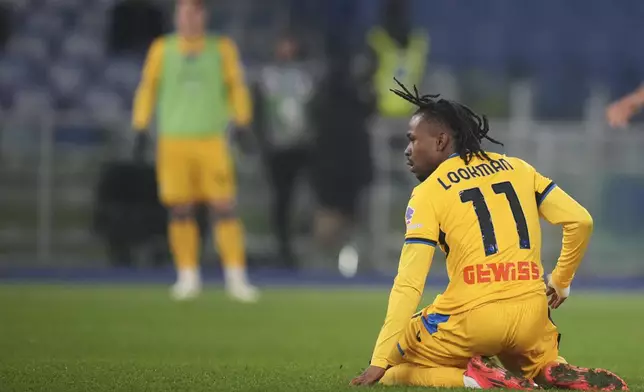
(122, 74)
(32, 99)
(83, 134)
(68, 81)
(42, 23)
(445, 49)
(260, 17)
(127, 98)
(93, 21)
(431, 14)
(598, 54)
(633, 10)
(66, 5)
(82, 47)
(103, 103)
(489, 50)
(6, 98)
(106, 3)
(28, 5)
(622, 211)
(368, 13)
(65, 14)
(16, 72)
(560, 93)
(31, 48)
(565, 45)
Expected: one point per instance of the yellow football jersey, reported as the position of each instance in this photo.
(485, 217)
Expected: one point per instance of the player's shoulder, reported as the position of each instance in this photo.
(516, 162)
(159, 42)
(422, 201)
(431, 189)
(426, 190)
(227, 47)
(225, 41)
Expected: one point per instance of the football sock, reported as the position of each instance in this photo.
(184, 243)
(229, 237)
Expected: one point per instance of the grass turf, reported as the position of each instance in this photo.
(108, 338)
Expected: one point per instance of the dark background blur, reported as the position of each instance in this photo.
(542, 70)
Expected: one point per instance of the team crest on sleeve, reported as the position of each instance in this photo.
(408, 215)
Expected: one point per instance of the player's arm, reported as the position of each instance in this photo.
(146, 93)
(558, 208)
(621, 111)
(415, 262)
(238, 94)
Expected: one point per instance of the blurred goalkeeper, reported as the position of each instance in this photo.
(482, 209)
(193, 80)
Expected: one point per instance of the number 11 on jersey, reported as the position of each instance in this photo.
(475, 196)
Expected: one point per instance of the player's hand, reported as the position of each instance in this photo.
(619, 113)
(370, 376)
(556, 295)
(140, 146)
(243, 137)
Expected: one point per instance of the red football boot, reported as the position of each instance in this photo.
(565, 376)
(488, 374)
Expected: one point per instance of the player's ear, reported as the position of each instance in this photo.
(442, 141)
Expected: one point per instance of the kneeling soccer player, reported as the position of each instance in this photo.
(483, 210)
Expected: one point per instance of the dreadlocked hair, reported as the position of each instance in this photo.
(468, 128)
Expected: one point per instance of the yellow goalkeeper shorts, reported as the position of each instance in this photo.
(194, 170)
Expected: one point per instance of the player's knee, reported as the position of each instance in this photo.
(400, 374)
(389, 378)
(181, 212)
(222, 210)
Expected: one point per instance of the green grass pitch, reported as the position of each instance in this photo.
(133, 338)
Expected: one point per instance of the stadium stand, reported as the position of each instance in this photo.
(75, 48)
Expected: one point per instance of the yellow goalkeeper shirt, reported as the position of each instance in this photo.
(147, 93)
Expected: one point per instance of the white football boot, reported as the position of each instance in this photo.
(237, 286)
(188, 285)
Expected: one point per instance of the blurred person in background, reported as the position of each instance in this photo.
(193, 79)
(619, 113)
(340, 111)
(399, 52)
(394, 49)
(280, 99)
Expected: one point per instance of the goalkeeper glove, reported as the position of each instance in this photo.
(243, 138)
(140, 146)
